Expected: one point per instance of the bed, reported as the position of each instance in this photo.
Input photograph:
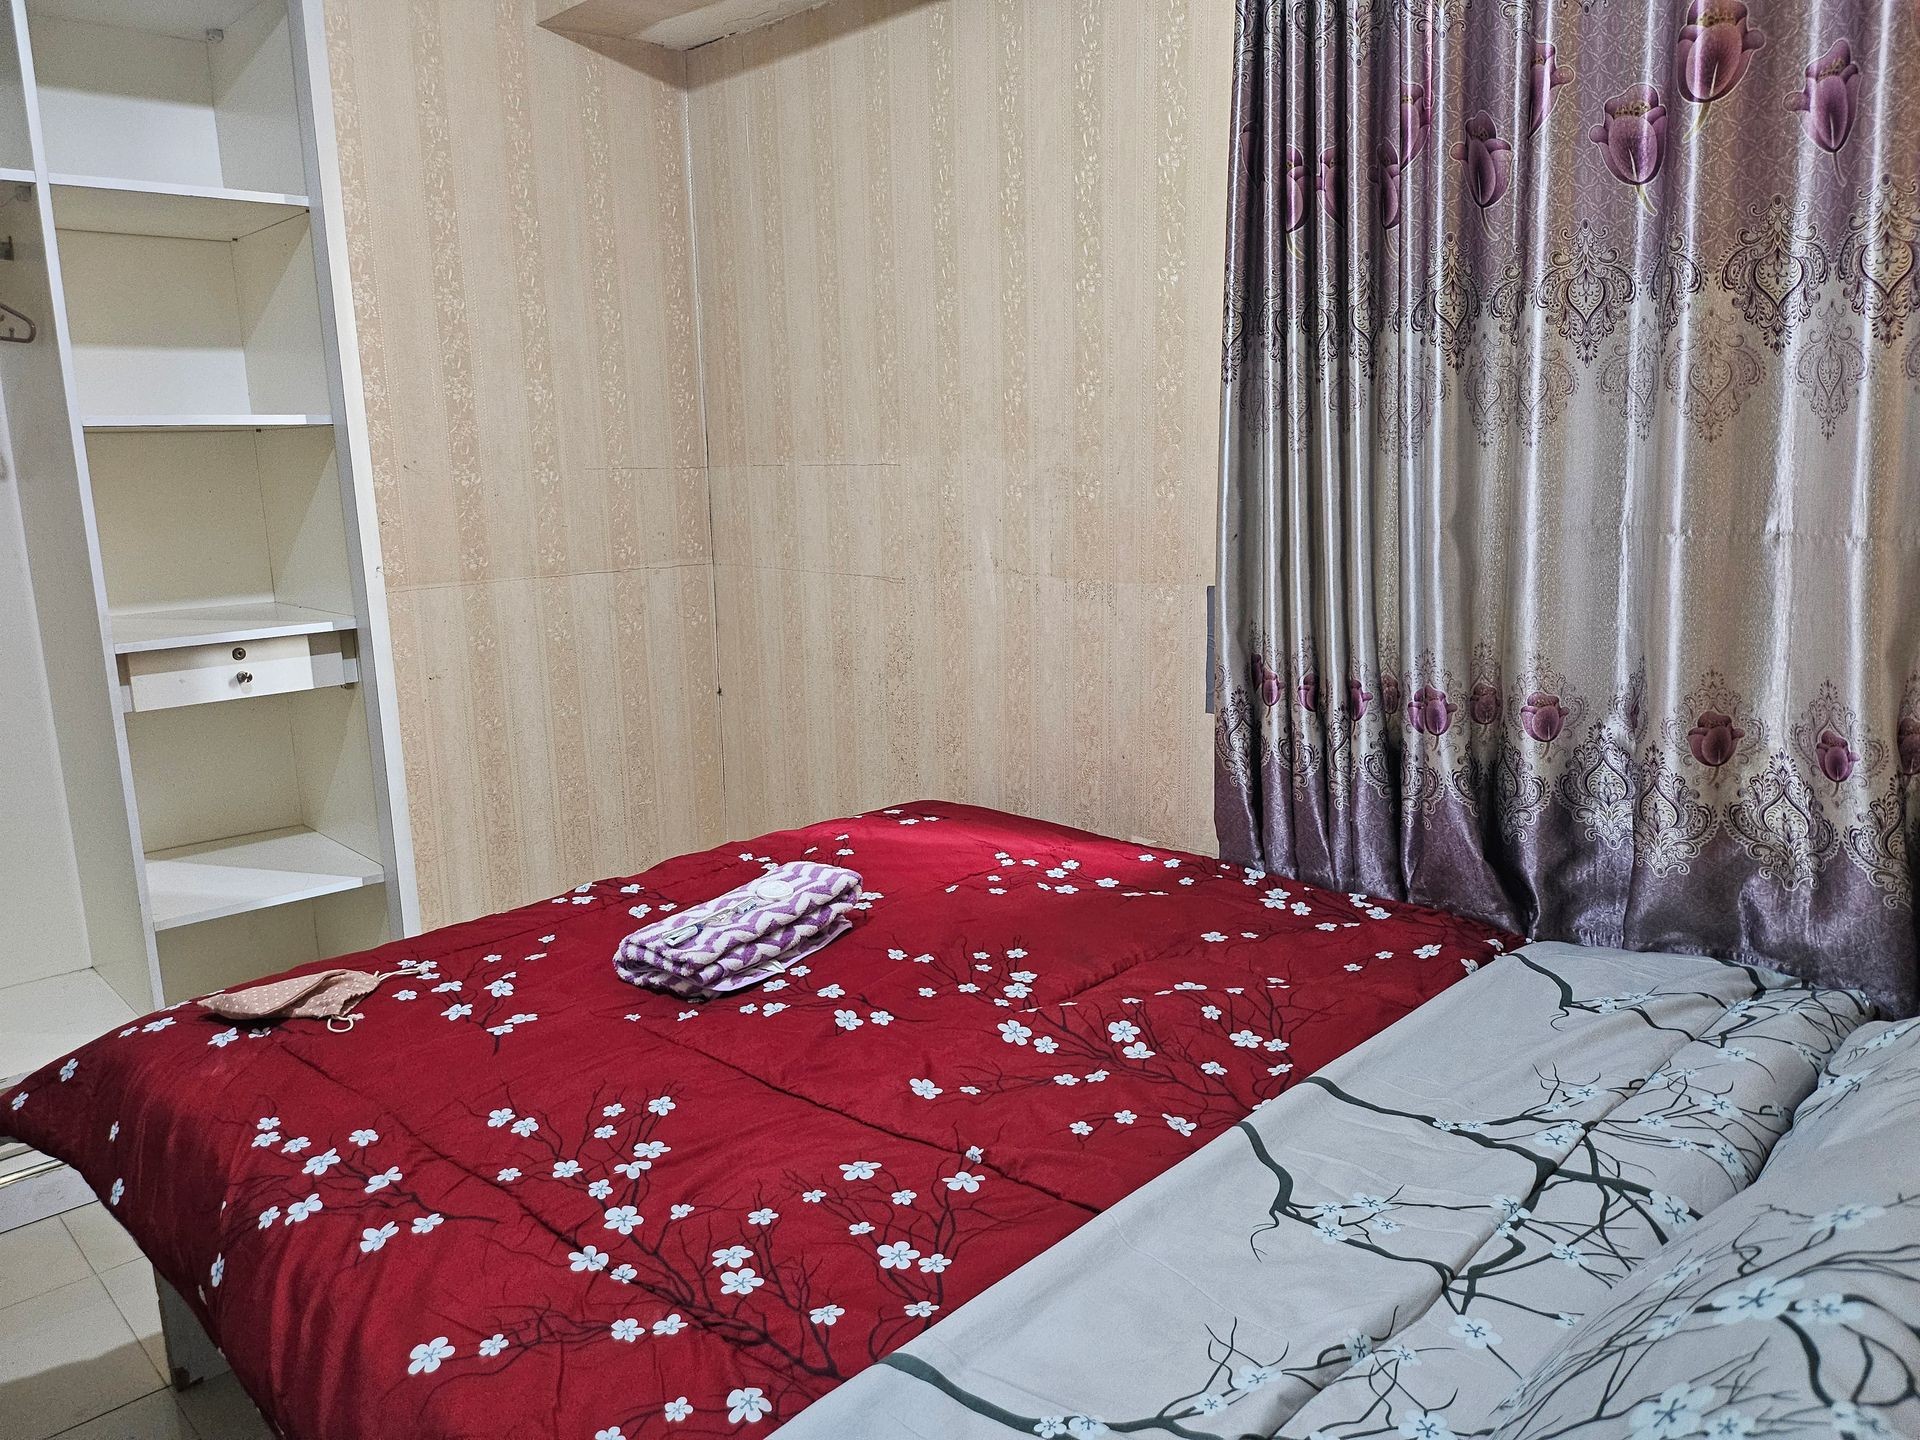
(1680, 1198)
(522, 1198)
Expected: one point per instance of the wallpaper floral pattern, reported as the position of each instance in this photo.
(1570, 548)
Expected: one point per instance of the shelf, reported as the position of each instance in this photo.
(187, 19)
(138, 89)
(16, 175)
(138, 630)
(203, 882)
(151, 207)
(200, 331)
(184, 423)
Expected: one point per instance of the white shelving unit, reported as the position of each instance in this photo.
(197, 883)
(193, 494)
(138, 631)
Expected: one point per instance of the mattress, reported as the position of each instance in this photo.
(524, 1199)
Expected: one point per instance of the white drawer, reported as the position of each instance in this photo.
(201, 674)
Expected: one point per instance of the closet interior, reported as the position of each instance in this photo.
(200, 734)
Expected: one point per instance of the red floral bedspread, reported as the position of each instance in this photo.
(522, 1198)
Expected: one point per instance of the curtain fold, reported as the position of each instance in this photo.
(1570, 497)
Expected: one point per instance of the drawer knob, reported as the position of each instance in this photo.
(245, 677)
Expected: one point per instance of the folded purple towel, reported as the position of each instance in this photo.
(743, 937)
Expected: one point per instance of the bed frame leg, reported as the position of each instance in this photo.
(191, 1356)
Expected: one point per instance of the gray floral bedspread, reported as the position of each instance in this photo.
(1448, 1232)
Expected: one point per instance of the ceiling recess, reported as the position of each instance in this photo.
(670, 24)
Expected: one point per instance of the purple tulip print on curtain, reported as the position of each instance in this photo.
(1634, 134)
(1714, 49)
(1832, 85)
(1484, 154)
(1570, 503)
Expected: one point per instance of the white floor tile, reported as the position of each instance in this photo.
(39, 1196)
(37, 1258)
(220, 1410)
(102, 1239)
(157, 1417)
(67, 1357)
(43, 1019)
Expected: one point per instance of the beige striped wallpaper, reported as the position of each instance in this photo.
(523, 280)
(921, 481)
(960, 272)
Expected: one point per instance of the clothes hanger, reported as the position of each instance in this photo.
(8, 312)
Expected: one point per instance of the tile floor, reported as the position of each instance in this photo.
(80, 1350)
(41, 1019)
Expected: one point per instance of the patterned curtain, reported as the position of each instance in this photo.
(1570, 506)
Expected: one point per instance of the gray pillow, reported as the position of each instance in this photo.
(1871, 1084)
(1791, 1310)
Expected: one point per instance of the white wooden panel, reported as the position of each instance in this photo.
(280, 319)
(306, 525)
(253, 101)
(214, 771)
(352, 921)
(252, 872)
(63, 557)
(156, 325)
(16, 145)
(186, 423)
(40, 913)
(127, 103)
(347, 396)
(335, 767)
(199, 959)
(181, 519)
